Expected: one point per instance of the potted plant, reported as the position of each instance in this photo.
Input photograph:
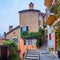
(49, 49)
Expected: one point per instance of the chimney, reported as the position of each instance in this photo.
(5, 35)
(31, 6)
(10, 27)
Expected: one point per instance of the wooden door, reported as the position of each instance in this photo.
(56, 41)
(3, 53)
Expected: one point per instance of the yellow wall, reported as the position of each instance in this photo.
(29, 19)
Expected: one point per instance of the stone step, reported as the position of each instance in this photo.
(32, 50)
(32, 58)
(32, 55)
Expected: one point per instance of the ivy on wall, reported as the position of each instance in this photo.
(38, 35)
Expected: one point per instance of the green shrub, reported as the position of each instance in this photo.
(59, 34)
(39, 43)
(11, 44)
(41, 31)
(13, 57)
(23, 34)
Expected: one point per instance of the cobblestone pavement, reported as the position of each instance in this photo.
(45, 55)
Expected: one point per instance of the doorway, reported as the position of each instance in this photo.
(3, 53)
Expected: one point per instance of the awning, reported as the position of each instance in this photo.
(51, 20)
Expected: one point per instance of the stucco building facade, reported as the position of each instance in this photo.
(50, 20)
(29, 20)
(14, 34)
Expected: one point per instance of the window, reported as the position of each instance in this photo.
(34, 42)
(24, 28)
(40, 18)
(27, 42)
(15, 40)
(44, 24)
(30, 42)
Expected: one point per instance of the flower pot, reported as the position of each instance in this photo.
(59, 54)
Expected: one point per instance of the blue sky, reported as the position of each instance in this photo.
(9, 11)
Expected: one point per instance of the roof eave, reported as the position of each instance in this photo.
(51, 20)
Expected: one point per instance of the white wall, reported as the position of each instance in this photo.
(51, 42)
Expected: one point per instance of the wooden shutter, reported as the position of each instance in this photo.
(16, 40)
(27, 28)
(50, 36)
(21, 29)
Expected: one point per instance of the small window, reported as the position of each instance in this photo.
(27, 42)
(15, 40)
(30, 42)
(24, 28)
(44, 24)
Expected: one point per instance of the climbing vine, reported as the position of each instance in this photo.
(38, 35)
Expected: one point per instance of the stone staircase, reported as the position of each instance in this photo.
(32, 55)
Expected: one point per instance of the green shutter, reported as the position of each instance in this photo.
(21, 29)
(16, 40)
(27, 28)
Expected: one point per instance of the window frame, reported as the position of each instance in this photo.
(14, 39)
